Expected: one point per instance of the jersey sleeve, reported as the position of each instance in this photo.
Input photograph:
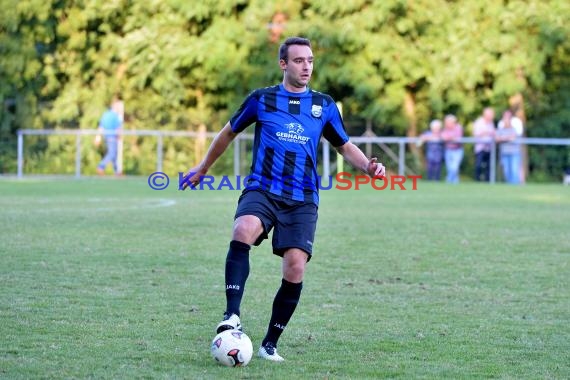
(246, 114)
(334, 130)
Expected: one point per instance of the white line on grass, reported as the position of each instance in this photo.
(50, 205)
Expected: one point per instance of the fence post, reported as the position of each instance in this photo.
(78, 154)
(401, 157)
(236, 156)
(20, 154)
(326, 159)
(159, 152)
(120, 153)
(493, 163)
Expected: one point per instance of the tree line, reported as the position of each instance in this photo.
(394, 64)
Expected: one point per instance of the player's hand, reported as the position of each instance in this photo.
(376, 169)
(97, 140)
(191, 178)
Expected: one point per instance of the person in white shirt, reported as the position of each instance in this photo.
(510, 129)
(484, 129)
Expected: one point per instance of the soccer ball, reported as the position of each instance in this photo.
(232, 348)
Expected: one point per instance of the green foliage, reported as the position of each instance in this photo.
(550, 117)
(179, 64)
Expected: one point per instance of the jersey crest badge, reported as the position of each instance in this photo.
(295, 128)
(317, 110)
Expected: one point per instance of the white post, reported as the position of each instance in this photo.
(236, 156)
(339, 158)
(326, 159)
(121, 107)
(401, 157)
(493, 163)
(159, 152)
(78, 154)
(20, 154)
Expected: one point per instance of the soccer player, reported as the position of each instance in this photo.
(281, 193)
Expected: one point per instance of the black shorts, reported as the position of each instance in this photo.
(294, 222)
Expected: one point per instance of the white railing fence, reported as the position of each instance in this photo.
(242, 138)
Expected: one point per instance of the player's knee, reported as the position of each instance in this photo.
(294, 267)
(247, 229)
(294, 272)
(297, 268)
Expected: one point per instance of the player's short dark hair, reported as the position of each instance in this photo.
(284, 48)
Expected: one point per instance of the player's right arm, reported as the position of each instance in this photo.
(217, 148)
(244, 116)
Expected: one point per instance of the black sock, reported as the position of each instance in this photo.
(284, 305)
(237, 270)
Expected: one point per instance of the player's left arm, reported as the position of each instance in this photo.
(358, 160)
(335, 133)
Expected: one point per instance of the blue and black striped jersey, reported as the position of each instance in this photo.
(288, 127)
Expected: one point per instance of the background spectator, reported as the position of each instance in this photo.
(452, 131)
(434, 149)
(484, 128)
(510, 128)
(110, 125)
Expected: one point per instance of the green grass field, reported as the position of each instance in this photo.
(105, 278)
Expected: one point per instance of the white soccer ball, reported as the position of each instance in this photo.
(232, 348)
